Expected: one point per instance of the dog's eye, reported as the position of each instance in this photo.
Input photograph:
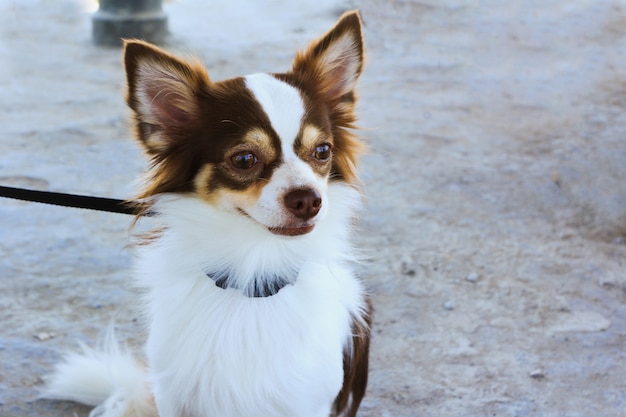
(244, 160)
(322, 152)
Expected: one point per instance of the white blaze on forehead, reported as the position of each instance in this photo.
(282, 104)
(285, 109)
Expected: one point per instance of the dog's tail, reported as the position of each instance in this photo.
(108, 378)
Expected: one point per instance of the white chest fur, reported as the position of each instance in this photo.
(216, 352)
(231, 355)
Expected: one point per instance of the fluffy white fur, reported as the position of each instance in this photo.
(216, 352)
(109, 378)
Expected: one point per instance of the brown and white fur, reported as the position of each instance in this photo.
(252, 304)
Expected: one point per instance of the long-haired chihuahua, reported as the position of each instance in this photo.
(252, 305)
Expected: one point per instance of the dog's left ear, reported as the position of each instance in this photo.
(334, 62)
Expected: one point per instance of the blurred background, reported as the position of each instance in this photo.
(495, 225)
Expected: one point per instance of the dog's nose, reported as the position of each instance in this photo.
(304, 203)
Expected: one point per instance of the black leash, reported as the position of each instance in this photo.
(110, 205)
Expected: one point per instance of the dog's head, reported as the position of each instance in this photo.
(263, 145)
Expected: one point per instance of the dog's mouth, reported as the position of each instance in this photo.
(297, 230)
(291, 231)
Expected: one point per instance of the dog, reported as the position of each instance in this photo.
(251, 301)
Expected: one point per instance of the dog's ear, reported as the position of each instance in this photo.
(163, 94)
(334, 62)
(329, 70)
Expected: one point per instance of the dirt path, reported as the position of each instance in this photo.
(495, 229)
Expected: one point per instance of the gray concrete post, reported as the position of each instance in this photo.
(139, 19)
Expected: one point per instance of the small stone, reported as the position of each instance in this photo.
(606, 283)
(449, 305)
(407, 269)
(537, 374)
(472, 277)
(398, 398)
(43, 336)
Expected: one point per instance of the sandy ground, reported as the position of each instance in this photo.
(495, 229)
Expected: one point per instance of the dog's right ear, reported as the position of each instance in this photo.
(163, 94)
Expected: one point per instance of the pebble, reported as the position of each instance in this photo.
(472, 277)
(407, 269)
(537, 374)
(43, 336)
(398, 398)
(449, 305)
(606, 283)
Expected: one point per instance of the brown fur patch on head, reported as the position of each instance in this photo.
(251, 181)
(309, 141)
(190, 126)
(327, 72)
